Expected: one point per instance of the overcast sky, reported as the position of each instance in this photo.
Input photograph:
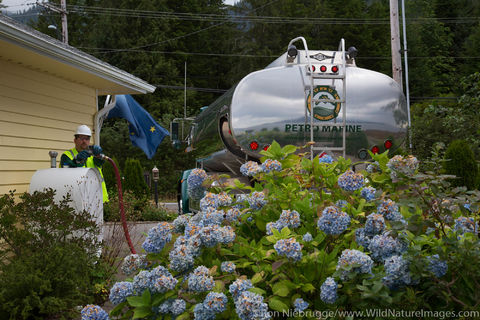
(16, 5)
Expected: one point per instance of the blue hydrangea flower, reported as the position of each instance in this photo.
(181, 258)
(133, 262)
(271, 165)
(195, 189)
(93, 312)
(250, 168)
(251, 306)
(180, 222)
(307, 237)
(233, 215)
(406, 166)
(342, 204)
(212, 217)
(210, 235)
(142, 281)
(193, 228)
(240, 200)
(226, 235)
(362, 262)
(289, 248)
(174, 306)
(162, 280)
(200, 312)
(210, 200)
(224, 199)
(361, 238)
(326, 158)
(228, 267)
(375, 224)
(328, 291)
(273, 225)
(368, 193)
(333, 221)
(384, 246)
(120, 291)
(157, 237)
(300, 305)
(256, 200)
(398, 274)
(290, 219)
(200, 280)
(389, 210)
(436, 266)
(239, 286)
(374, 167)
(215, 302)
(467, 206)
(351, 181)
(464, 225)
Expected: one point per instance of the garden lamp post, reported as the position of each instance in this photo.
(155, 177)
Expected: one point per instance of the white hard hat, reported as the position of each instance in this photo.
(84, 130)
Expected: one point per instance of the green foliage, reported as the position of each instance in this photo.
(460, 161)
(109, 175)
(133, 178)
(428, 208)
(136, 209)
(48, 262)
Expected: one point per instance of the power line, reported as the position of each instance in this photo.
(206, 17)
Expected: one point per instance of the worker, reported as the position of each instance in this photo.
(84, 155)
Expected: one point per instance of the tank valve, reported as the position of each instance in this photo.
(53, 158)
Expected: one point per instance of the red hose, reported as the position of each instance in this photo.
(120, 203)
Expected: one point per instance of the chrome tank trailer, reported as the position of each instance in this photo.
(275, 104)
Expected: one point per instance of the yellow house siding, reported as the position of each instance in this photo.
(39, 112)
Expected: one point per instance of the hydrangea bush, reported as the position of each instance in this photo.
(311, 235)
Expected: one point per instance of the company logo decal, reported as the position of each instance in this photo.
(327, 110)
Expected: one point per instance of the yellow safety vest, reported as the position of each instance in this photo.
(72, 153)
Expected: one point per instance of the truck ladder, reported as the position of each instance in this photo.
(314, 76)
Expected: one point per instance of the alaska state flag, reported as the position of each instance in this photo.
(145, 132)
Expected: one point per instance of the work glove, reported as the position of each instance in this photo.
(97, 150)
(82, 156)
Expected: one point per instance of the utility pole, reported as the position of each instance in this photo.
(63, 11)
(395, 40)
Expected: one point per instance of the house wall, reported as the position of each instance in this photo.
(39, 112)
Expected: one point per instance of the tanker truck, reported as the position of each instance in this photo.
(303, 96)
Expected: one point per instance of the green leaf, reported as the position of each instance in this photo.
(280, 289)
(257, 291)
(118, 308)
(142, 312)
(277, 305)
(136, 301)
(257, 278)
(183, 316)
(289, 149)
(308, 287)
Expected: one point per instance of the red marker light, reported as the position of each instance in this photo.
(334, 69)
(254, 145)
(375, 149)
(323, 68)
(388, 144)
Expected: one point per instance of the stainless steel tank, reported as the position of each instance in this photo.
(273, 104)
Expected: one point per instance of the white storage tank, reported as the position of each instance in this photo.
(83, 184)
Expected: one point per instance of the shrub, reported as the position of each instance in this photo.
(49, 261)
(300, 234)
(133, 178)
(460, 161)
